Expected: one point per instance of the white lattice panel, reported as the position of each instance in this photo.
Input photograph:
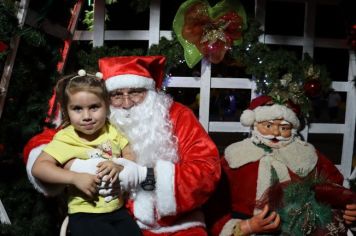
(308, 42)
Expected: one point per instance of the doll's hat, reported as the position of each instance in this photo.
(263, 108)
(132, 71)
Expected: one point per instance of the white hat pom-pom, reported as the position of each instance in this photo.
(99, 75)
(82, 72)
(247, 118)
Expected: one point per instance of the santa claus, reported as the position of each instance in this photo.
(177, 165)
(273, 150)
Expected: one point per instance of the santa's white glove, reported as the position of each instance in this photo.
(86, 166)
(108, 191)
(132, 174)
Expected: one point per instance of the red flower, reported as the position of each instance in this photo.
(212, 37)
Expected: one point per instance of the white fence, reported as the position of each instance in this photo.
(308, 42)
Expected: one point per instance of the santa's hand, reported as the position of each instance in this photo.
(350, 214)
(132, 174)
(85, 166)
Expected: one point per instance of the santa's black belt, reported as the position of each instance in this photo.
(239, 215)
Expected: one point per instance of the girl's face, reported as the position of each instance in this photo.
(87, 113)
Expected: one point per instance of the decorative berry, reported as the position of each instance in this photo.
(82, 72)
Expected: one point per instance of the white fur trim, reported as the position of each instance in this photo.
(144, 207)
(247, 118)
(166, 200)
(162, 200)
(228, 228)
(264, 173)
(276, 111)
(298, 155)
(263, 113)
(194, 219)
(241, 153)
(129, 81)
(48, 190)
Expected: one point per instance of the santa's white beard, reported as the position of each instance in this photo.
(148, 129)
(258, 138)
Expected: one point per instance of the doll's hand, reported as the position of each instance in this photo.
(109, 170)
(350, 214)
(86, 183)
(109, 191)
(262, 223)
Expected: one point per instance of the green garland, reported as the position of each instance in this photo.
(170, 48)
(279, 74)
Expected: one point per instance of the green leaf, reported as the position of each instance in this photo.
(191, 53)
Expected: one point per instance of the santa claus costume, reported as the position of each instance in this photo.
(166, 136)
(247, 164)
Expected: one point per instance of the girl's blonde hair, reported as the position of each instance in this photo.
(71, 84)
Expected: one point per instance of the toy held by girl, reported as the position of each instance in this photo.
(86, 134)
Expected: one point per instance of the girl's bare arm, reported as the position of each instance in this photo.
(48, 170)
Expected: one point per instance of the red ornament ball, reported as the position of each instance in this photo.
(312, 88)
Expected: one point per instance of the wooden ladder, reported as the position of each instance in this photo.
(5, 80)
(70, 29)
(54, 30)
(10, 59)
(29, 17)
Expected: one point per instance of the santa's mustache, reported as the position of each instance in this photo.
(271, 137)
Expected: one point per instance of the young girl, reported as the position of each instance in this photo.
(85, 133)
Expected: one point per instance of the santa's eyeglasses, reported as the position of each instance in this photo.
(133, 94)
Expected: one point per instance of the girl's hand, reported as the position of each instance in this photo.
(262, 223)
(86, 183)
(109, 169)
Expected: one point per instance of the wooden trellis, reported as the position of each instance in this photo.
(206, 82)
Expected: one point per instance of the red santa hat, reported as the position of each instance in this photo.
(263, 108)
(132, 71)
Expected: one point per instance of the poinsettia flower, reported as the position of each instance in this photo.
(208, 32)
